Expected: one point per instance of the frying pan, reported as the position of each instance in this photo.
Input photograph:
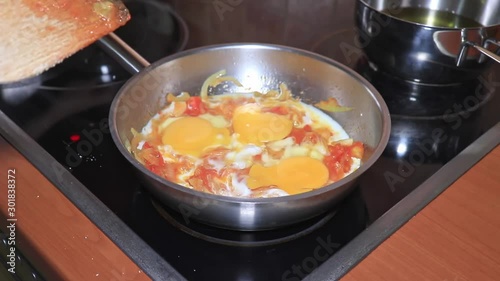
(263, 67)
(429, 54)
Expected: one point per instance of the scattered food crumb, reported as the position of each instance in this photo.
(97, 274)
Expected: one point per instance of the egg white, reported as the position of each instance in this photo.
(241, 156)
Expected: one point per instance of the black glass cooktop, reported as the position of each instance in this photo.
(66, 109)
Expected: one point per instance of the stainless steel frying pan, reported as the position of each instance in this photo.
(316, 76)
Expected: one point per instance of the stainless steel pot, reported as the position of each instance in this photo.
(261, 66)
(424, 53)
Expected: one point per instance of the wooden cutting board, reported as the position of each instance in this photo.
(37, 34)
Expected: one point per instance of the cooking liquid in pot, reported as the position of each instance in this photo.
(434, 18)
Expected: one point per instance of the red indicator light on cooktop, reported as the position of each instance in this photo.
(74, 138)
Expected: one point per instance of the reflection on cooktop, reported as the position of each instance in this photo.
(241, 238)
(268, 255)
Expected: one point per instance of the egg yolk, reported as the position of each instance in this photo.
(294, 175)
(257, 127)
(192, 135)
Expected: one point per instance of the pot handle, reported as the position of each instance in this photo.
(465, 48)
(125, 55)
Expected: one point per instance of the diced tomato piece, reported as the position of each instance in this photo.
(334, 168)
(281, 110)
(299, 133)
(206, 175)
(146, 145)
(171, 171)
(311, 137)
(357, 150)
(155, 169)
(228, 107)
(338, 161)
(152, 156)
(153, 159)
(336, 151)
(195, 106)
(346, 163)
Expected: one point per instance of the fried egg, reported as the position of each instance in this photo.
(193, 135)
(293, 175)
(256, 127)
(257, 147)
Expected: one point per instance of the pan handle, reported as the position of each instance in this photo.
(465, 48)
(127, 57)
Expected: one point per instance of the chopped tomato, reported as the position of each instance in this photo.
(206, 175)
(299, 133)
(311, 137)
(357, 150)
(338, 161)
(227, 110)
(152, 156)
(334, 168)
(336, 151)
(281, 110)
(195, 106)
(153, 160)
(172, 170)
(146, 145)
(155, 169)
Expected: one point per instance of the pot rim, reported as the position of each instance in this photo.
(377, 151)
(458, 29)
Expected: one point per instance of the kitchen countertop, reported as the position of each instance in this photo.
(453, 238)
(53, 234)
